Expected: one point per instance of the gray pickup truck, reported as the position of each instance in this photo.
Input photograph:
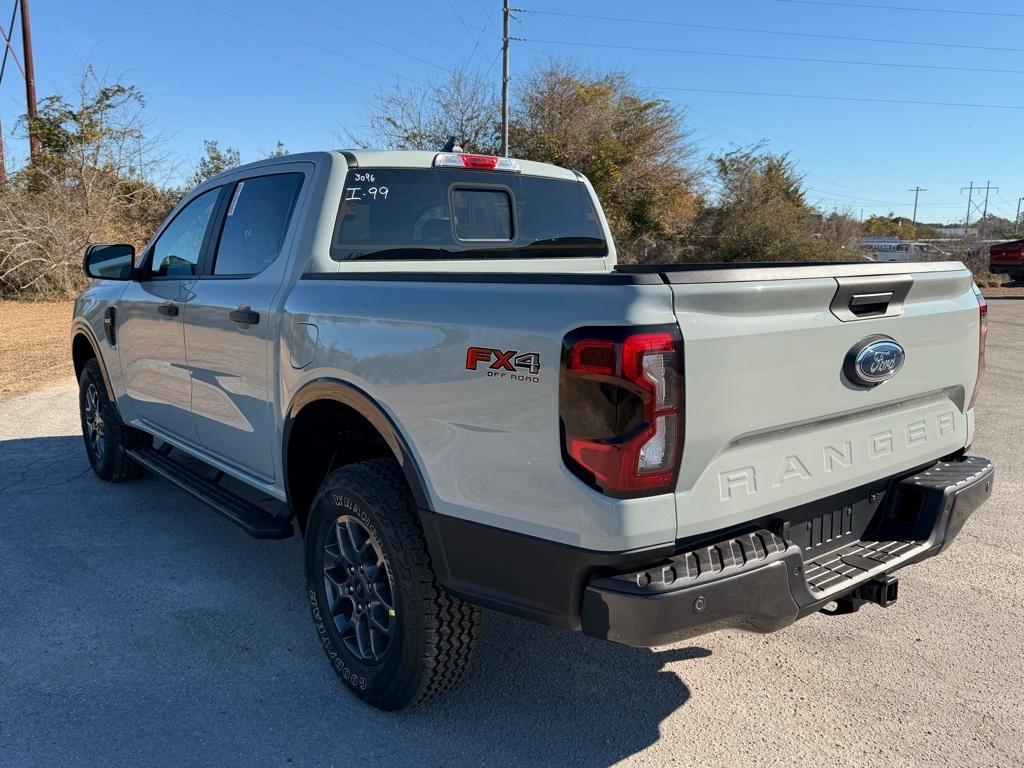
(430, 365)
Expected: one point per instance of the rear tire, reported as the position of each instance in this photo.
(395, 637)
(106, 436)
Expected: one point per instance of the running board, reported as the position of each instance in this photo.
(252, 519)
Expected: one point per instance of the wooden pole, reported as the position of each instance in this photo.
(30, 78)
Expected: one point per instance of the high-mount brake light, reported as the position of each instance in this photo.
(621, 409)
(982, 336)
(475, 162)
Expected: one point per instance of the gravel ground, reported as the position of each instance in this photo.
(138, 629)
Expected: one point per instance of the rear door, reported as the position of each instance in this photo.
(230, 327)
(150, 319)
(772, 419)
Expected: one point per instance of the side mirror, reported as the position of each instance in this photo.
(109, 262)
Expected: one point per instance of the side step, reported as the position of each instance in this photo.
(252, 519)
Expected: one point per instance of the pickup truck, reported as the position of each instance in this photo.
(1007, 259)
(431, 366)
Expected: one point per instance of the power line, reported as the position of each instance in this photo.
(389, 25)
(360, 35)
(433, 11)
(436, 13)
(476, 44)
(758, 31)
(296, 39)
(863, 169)
(217, 36)
(902, 8)
(7, 45)
(488, 21)
(975, 207)
(859, 99)
(770, 57)
(462, 21)
(852, 198)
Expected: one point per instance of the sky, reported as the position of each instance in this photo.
(302, 71)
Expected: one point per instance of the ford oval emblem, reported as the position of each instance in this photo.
(873, 360)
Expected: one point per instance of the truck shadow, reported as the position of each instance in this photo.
(563, 698)
(184, 631)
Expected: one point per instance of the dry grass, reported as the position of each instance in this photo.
(35, 345)
(1004, 290)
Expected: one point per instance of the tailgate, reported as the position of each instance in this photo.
(1007, 254)
(772, 421)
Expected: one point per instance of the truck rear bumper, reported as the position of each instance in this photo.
(764, 579)
(1013, 270)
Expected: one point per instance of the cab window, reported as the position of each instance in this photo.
(176, 252)
(256, 223)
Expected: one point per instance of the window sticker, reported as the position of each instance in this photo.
(234, 198)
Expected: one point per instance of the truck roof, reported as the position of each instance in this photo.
(386, 158)
(382, 158)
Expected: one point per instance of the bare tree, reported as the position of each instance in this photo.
(88, 184)
(458, 104)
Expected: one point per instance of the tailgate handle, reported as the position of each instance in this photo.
(870, 303)
(862, 298)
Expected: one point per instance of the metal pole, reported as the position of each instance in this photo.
(30, 78)
(1016, 221)
(913, 227)
(504, 79)
(984, 213)
(970, 195)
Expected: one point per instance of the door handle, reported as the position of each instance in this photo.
(244, 316)
(168, 309)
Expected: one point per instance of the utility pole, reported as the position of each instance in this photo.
(913, 227)
(988, 186)
(984, 212)
(970, 199)
(504, 77)
(30, 78)
(1016, 221)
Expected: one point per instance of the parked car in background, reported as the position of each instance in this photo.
(1007, 259)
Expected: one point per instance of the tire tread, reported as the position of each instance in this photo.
(451, 624)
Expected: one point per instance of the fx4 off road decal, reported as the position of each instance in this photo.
(511, 364)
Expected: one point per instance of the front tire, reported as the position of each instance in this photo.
(106, 436)
(395, 637)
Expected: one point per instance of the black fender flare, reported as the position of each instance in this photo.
(347, 394)
(80, 328)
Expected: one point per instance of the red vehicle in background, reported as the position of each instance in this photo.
(1007, 259)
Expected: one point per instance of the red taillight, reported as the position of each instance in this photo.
(476, 162)
(621, 409)
(479, 161)
(982, 335)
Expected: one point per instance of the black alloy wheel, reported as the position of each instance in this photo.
(359, 590)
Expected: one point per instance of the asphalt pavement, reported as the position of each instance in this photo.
(138, 629)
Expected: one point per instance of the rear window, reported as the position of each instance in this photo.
(482, 214)
(450, 213)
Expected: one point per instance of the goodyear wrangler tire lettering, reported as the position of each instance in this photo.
(394, 593)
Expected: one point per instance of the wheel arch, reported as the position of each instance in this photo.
(84, 347)
(320, 394)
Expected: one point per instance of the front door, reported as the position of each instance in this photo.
(150, 322)
(230, 326)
